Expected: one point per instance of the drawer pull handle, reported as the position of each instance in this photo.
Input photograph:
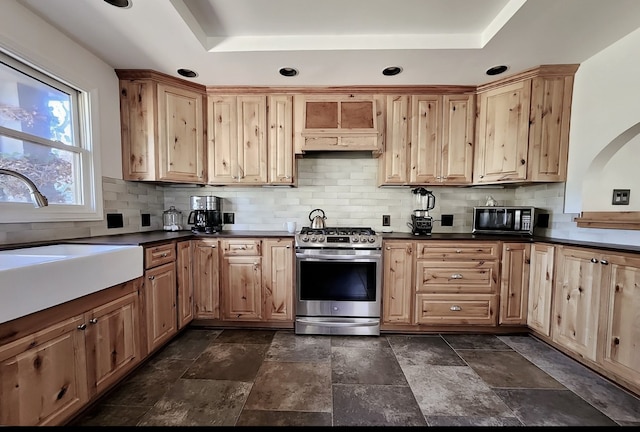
(455, 308)
(604, 262)
(164, 255)
(594, 260)
(93, 320)
(82, 326)
(456, 276)
(152, 277)
(458, 251)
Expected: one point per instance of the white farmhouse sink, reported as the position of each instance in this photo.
(36, 278)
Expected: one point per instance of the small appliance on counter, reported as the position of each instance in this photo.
(516, 220)
(421, 223)
(172, 219)
(206, 214)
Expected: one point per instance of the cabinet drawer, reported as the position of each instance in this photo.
(456, 309)
(446, 251)
(235, 247)
(161, 254)
(457, 277)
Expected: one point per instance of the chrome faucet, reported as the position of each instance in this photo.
(39, 200)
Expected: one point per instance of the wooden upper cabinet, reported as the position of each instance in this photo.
(429, 140)
(281, 156)
(523, 126)
(549, 128)
(237, 139)
(162, 124)
(503, 133)
(338, 122)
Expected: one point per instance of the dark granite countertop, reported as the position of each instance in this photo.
(150, 237)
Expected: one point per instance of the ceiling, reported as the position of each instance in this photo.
(341, 42)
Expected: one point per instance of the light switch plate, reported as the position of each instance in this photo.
(621, 196)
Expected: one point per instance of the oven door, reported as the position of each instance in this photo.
(338, 289)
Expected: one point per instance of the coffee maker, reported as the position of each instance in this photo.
(421, 222)
(206, 214)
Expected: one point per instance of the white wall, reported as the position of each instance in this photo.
(25, 34)
(606, 104)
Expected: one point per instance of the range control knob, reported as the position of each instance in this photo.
(372, 239)
(354, 239)
(363, 239)
(321, 238)
(304, 238)
(313, 238)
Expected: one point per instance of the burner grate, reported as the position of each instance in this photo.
(340, 231)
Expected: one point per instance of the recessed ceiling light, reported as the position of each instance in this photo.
(187, 73)
(391, 70)
(496, 70)
(288, 71)
(119, 3)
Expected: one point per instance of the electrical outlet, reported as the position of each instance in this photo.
(228, 218)
(621, 196)
(446, 220)
(145, 219)
(114, 220)
(386, 220)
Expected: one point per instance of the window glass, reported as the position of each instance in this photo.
(41, 125)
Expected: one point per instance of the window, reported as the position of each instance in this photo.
(44, 135)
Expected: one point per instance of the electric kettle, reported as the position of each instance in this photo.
(317, 222)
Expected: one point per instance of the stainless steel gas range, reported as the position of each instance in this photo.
(338, 281)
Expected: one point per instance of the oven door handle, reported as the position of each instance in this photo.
(338, 323)
(326, 257)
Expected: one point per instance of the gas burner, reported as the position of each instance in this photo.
(338, 237)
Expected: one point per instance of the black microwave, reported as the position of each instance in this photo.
(504, 220)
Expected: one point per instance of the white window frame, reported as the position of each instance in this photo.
(87, 150)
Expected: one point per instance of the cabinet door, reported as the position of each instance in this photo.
(619, 351)
(113, 340)
(514, 289)
(549, 128)
(241, 288)
(457, 139)
(206, 279)
(160, 304)
(503, 133)
(278, 285)
(252, 139)
(397, 290)
(222, 141)
(180, 134)
(394, 160)
(541, 287)
(43, 377)
(137, 118)
(426, 139)
(184, 264)
(280, 143)
(576, 300)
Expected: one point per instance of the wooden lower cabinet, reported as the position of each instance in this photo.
(619, 332)
(576, 300)
(206, 279)
(278, 279)
(541, 277)
(241, 288)
(56, 361)
(184, 281)
(514, 283)
(397, 282)
(160, 295)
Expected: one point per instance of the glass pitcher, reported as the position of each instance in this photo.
(172, 219)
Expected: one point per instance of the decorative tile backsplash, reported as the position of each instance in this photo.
(344, 187)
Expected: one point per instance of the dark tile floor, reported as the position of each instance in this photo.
(208, 377)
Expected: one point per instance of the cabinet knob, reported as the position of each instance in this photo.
(616, 341)
(93, 320)
(164, 255)
(508, 249)
(213, 246)
(388, 248)
(456, 276)
(604, 262)
(594, 260)
(152, 277)
(288, 246)
(455, 308)
(458, 251)
(82, 326)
